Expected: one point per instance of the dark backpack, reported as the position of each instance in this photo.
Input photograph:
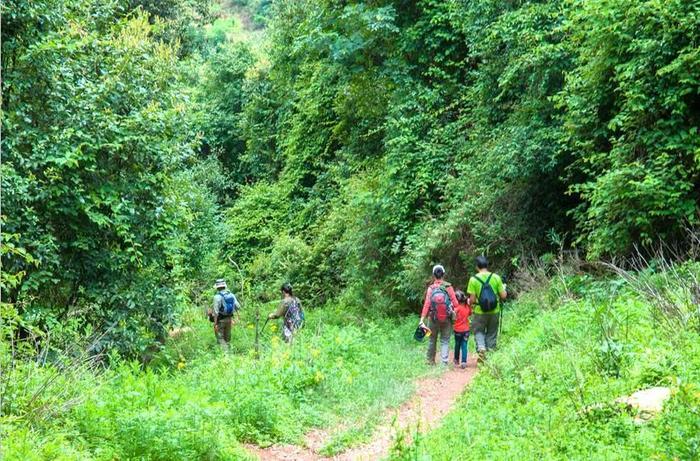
(488, 301)
(294, 318)
(228, 305)
(440, 303)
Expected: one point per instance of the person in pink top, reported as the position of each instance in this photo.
(438, 308)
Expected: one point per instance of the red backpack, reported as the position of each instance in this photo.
(440, 303)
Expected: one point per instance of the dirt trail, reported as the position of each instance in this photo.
(434, 397)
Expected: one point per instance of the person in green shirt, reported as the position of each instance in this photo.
(485, 324)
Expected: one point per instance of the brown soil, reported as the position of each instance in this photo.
(433, 399)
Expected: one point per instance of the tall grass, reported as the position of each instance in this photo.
(607, 339)
(196, 402)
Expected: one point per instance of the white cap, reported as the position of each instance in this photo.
(438, 267)
(220, 283)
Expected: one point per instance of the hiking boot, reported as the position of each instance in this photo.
(482, 357)
(463, 365)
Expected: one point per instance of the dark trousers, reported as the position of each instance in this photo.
(485, 328)
(223, 332)
(461, 345)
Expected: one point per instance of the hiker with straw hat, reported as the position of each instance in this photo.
(221, 313)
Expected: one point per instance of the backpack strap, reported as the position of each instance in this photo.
(222, 309)
(287, 307)
(448, 303)
(484, 282)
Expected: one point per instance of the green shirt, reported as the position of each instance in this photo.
(474, 288)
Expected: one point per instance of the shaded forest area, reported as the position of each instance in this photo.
(343, 146)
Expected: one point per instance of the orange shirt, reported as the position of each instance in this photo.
(462, 312)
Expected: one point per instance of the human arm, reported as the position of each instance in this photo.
(502, 289)
(282, 310)
(453, 297)
(471, 291)
(236, 304)
(216, 307)
(426, 306)
(236, 308)
(468, 304)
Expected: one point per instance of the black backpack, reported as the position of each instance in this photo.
(488, 301)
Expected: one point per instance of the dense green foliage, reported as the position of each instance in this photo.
(369, 139)
(632, 113)
(344, 147)
(101, 183)
(389, 136)
(550, 392)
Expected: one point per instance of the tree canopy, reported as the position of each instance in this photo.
(346, 148)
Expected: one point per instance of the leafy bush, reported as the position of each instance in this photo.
(630, 114)
(100, 174)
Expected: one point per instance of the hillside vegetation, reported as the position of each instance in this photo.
(361, 143)
(151, 147)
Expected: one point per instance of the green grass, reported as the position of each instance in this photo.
(531, 400)
(359, 432)
(195, 402)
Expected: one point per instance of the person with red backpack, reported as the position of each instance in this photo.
(438, 308)
(486, 291)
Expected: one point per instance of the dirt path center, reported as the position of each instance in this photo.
(434, 397)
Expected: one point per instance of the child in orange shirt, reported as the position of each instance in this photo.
(461, 327)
